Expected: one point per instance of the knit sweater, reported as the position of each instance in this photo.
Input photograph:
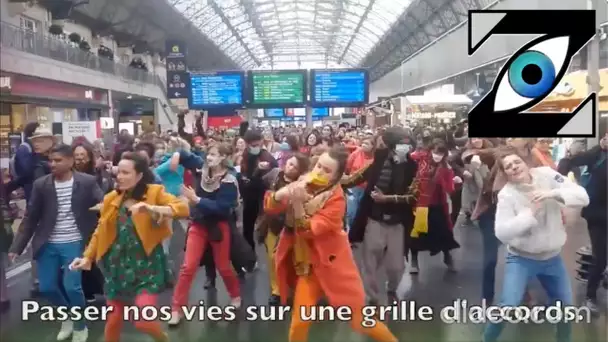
(536, 235)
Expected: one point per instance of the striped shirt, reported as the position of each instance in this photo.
(66, 229)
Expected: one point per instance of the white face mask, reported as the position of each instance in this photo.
(401, 151)
(213, 161)
(437, 157)
(402, 148)
(255, 150)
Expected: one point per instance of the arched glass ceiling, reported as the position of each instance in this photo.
(293, 33)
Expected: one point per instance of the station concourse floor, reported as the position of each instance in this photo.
(434, 286)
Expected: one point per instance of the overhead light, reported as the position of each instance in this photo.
(129, 97)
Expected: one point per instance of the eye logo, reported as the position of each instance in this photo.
(532, 73)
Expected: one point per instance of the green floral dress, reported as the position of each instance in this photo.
(128, 270)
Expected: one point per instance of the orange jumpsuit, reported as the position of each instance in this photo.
(316, 260)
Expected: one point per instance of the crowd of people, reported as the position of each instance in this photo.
(99, 218)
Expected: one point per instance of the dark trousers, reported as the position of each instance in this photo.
(251, 211)
(597, 234)
(456, 199)
(491, 244)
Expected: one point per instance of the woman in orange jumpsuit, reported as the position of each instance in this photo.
(313, 256)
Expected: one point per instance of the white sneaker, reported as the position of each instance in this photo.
(80, 335)
(66, 330)
(236, 302)
(175, 318)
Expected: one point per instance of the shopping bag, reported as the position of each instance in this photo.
(405, 284)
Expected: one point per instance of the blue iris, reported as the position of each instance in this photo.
(532, 74)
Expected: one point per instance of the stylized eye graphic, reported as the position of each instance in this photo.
(532, 74)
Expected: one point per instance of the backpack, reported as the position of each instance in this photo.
(12, 162)
(585, 178)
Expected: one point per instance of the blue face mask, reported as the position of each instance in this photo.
(284, 146)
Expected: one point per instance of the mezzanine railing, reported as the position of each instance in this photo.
(61, 50)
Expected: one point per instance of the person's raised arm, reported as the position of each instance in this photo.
(275, 202)
(190, 160)
(564, 190)
(358, 177)
(169, 205)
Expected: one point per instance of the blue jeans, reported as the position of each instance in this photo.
(51, 258)
(491, 244)
(352, 204)
(519, 271)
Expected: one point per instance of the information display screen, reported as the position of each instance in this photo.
(218, 89)
(316, 112)
(274, 112)
(339, 87)
(280, 88)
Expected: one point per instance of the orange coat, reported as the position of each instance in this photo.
(331, 256)
(149, 234)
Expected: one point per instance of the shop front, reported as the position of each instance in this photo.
(26, 99)
(435, 111)
(136, 115)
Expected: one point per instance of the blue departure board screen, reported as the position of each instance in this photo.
(339, 87)
(218, 89)
(273, 113)
(316, 112)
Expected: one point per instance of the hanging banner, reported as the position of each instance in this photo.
(178, 79)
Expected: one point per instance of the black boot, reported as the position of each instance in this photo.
(449, 261)
(414, 265)
(34, 291)
(210, 284)
(274, 300)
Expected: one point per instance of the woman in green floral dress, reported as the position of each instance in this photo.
(128, 271)
(127, 244)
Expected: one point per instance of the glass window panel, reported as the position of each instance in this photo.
(312, 30)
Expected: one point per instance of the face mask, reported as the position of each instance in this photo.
(213, 161)
(366, 148)
(401, 151)
(316, 179)
(285, 146)
(255, 150)
(159, 154)
(437, 157)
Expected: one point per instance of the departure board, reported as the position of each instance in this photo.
(217, 89)
(278, 88)
(339, 87)
(274, 112)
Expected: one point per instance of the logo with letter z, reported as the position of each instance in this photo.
(532, 73)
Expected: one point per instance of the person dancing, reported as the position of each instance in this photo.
(313, 256)
(127, 244)
(270, 226)
(214, 202)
